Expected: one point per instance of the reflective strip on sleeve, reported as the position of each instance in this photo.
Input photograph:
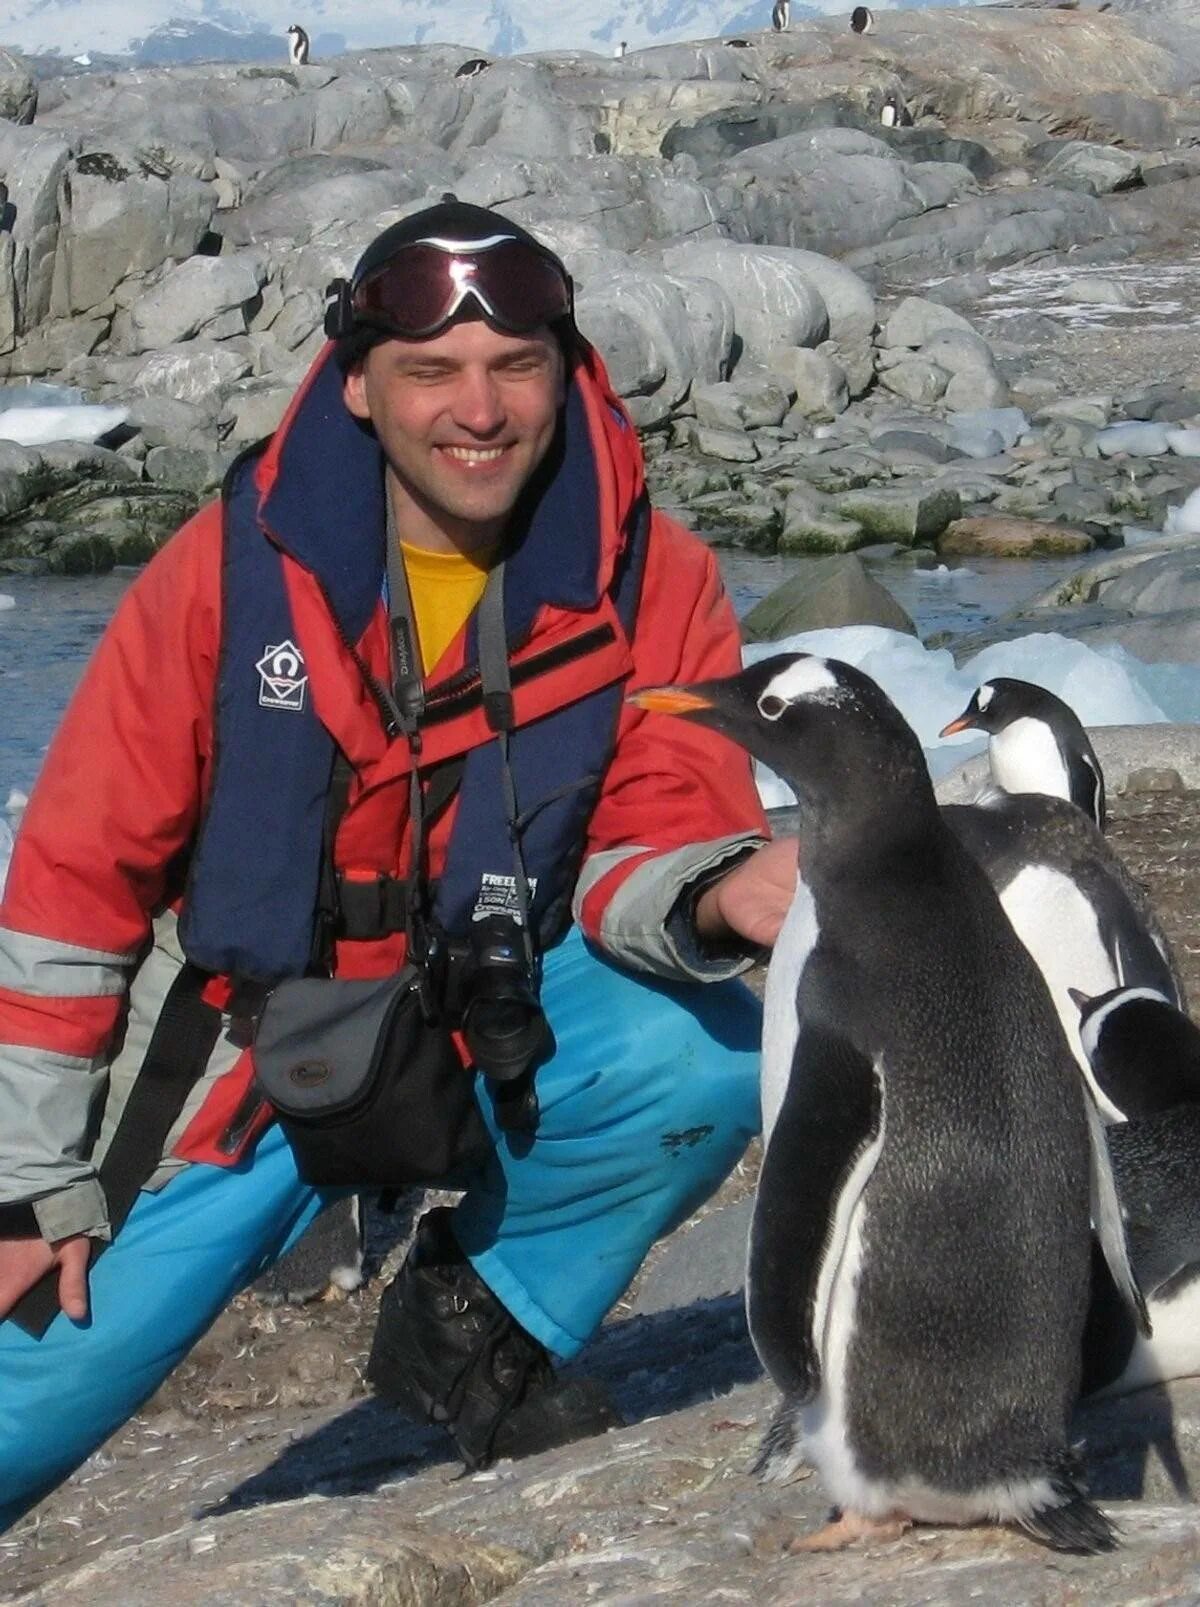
(49, 969)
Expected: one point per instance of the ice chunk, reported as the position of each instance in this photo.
(37, 426)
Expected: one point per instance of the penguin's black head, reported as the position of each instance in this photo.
(824, 726)
(1000, 701)
(1143, 1051)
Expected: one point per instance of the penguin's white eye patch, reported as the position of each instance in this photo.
(984, 696)
(805, 676)
(770, 707)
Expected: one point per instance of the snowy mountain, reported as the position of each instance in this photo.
(192, 30)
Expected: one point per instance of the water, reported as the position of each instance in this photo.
(46, 638)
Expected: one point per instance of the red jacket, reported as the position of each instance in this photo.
(96, 873)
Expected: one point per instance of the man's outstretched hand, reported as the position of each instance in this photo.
(752, 900)
(24, 1262)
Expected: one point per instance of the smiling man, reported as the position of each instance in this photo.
(367, 718)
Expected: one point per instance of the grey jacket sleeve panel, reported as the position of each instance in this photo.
(81, 1208)
(645, 925)
(49, 1099)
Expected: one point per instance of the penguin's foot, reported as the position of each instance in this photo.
(847, 1530)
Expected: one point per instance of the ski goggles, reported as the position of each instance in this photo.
(425, 284)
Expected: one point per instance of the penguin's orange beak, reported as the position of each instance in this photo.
(963, 723)
(669, 700)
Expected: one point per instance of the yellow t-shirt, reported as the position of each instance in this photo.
(445, 587)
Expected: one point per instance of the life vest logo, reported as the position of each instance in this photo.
(282, 678)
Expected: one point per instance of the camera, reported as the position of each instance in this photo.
(503, 1024)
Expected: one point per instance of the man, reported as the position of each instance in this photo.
(182, 842)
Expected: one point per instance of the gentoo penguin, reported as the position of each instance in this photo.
(472, 68)
(781, 15)
(1037, 743)
(326, 1263)
(619, 52)
(297, 45)
(862, 20)
(1083, 918)
(919, 1254)
(738, 44)
(1145, 1055)
(893, 113)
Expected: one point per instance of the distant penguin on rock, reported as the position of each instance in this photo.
(472, 68)
(915, 1287)
(1037, 743)
(737, 44)
(297, 45)
(781, 15)
(619, 52)
(894, 113)
(862, 20)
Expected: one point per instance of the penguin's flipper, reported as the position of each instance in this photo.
(1107, 1221)
(820, 1156)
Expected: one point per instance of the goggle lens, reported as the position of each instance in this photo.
(422, 287)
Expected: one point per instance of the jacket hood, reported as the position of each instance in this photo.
(320, 496)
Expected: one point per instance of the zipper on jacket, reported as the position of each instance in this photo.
(240, 1122)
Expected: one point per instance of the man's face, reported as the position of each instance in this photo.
(464, 419)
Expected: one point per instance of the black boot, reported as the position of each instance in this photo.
(446, 1351)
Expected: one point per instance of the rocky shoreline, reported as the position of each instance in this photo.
(746, 237)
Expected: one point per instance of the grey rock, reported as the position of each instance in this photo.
(707, 1259)
(1103, 292)
(774, 299)
(730, 446)
(826, 593)
(816, 379)
(1160, 585)
(811, 525)
(32, 161)
(746, 402)
(18, 90)
(1135, 440)
(916, 320)
(917, 380)
(189, 299)
(193, 372)
(187, 468)
(1010, 423)
(907, 514)
(913, 446)
(252, 410)
(117, 219)
(1095, 169)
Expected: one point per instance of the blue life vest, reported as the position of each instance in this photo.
(251, 897)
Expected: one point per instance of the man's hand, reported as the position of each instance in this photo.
(752, 900)
(24, 1262)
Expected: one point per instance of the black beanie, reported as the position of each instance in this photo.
(449, 219)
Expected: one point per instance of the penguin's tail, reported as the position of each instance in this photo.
(1068, 1521)
(782, 1449)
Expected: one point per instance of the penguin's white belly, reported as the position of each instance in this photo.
(824, 1421)
(1058, 926)
(1173, 1351)
(1024, 757)
(781, 1025)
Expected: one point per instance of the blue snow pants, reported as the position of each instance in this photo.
(646, 1106)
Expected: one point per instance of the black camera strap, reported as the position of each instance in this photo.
(498, 707)
(407, 699)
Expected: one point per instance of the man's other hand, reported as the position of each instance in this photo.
(24, 1262)
(752, 900)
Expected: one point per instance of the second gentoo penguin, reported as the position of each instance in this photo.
(1145, 1055)
(1037, 743)
(862, 20)
(619, 52)
(297, 45)
(919, 1255)
(472, 68)
(781, 15)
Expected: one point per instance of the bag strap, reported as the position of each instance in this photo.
(184, 1037)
